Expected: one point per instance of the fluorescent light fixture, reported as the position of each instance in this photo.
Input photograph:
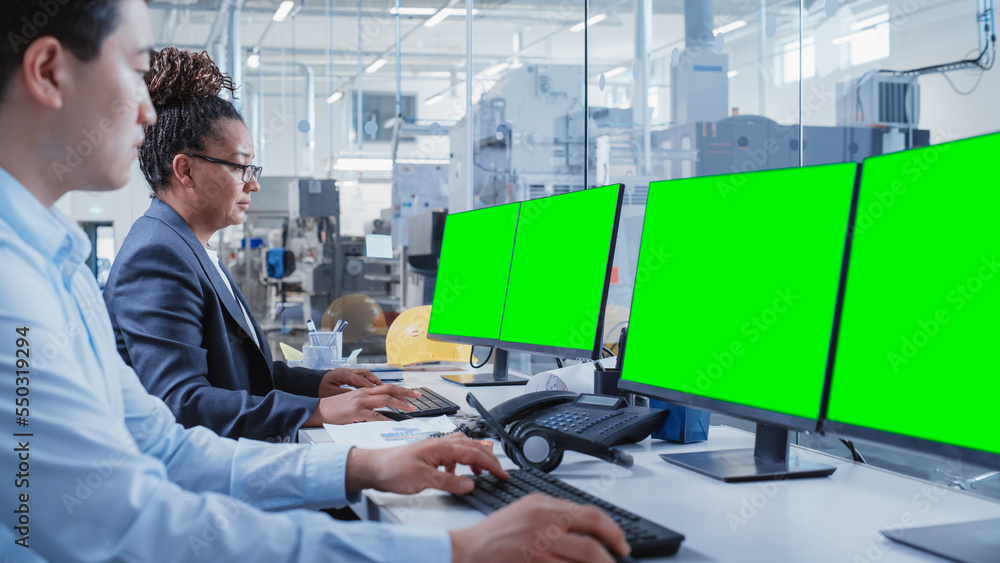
(283, 10)
(253, 61)
(413, 11)
(437, 18)
(334, 97)
(614, 72)
(433, 100)
(594, 19)
(423, 161)
(364, 164)
(429, 74)
(733, 73)
(444, 13)
(493, 70)
(375, 66)
(731, 26)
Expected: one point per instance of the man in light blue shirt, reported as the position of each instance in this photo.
(94, 468)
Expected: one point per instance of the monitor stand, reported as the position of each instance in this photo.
(967, 542)
(498, 377)
(769, 460)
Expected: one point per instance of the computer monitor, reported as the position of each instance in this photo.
(915, 360)
(472, 275)
(733, 306)
(558, 287)
(555, 289)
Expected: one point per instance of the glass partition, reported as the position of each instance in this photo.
(379, 117)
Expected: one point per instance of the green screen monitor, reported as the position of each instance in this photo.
(563, 254)
(733, 306)
(544, 284)
(915, 360)
(472, 275)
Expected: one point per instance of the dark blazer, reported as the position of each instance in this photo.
(182, 332)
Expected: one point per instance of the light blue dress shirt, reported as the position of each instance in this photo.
(108, 473)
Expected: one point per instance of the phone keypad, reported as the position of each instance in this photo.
(567, 421)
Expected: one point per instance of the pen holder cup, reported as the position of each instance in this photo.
(325, 350)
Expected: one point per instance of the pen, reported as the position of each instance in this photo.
(342, 327)
(337, 326)
(312, 332)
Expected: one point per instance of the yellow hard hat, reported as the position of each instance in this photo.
(363, 315)
(407, 343)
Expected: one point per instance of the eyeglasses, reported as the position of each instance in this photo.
(250, 172)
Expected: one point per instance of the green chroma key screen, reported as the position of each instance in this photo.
(920, 324)
(736, 286)
(557, 278)
(472, 274)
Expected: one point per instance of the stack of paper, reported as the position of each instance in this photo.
(377, 435)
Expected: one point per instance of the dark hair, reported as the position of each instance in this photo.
(184, 87)
(80, 25)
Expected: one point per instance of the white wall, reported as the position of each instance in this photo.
(122, 207)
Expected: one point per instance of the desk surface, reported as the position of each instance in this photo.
(836, 518)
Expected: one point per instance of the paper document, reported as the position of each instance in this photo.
(377, 435)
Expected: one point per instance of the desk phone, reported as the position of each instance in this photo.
(536, 428)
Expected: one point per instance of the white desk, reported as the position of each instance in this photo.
(835, 518)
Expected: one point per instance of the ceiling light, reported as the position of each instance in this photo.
(423, 161)
(375, 66)
(733, 73)
(444, 13)
(614, 72)
(283, 10)
(412, 11)
(437, 18)
(595, 19)
(731, 26)
(493, 70)
(334, 97)
(253, 61)
(433, 100)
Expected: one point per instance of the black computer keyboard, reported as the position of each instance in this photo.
(647, 538)
(430, 403)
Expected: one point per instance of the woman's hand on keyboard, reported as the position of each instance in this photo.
(332, 380)
(542, 529)
(359, 405)
(416, 467)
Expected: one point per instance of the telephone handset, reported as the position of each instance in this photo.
(536, 428)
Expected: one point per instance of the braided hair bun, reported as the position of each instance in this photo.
(175, 74)
(184, 88)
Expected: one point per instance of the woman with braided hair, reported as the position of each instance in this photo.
(179, 319)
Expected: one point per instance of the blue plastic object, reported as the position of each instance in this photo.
(684, 425)
(276, 263)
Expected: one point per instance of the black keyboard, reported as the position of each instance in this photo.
(430, 403)
(648, 539)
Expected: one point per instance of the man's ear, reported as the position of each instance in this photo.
(182, 170)
(46, 71)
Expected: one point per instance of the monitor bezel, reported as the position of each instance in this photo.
(739, 410)
(887, 437)
(579, 353)
(912, 443)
